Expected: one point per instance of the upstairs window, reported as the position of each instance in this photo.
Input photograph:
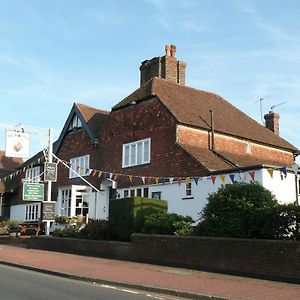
(80, 165)
(33, 174)
(136, 153)
(188, 189)
(75, 123)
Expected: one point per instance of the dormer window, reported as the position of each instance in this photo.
(75, 123)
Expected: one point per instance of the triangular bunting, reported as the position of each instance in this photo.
(231, 176)
(196, 179)
(100, 174)
(295, 168)
(213, 179)
(283, 170)
(179, 179)
(171, 179)
(130, 178)
(143, 179)
(270, 171)
(188, 180)
(222, 178)
(252, 175)
(156, 180)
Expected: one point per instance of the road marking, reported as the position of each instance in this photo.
(134, 292)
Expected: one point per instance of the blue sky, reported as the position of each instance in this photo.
(54, 53)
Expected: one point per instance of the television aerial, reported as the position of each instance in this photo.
(260, 107)
(273, 106)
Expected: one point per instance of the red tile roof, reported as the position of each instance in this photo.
(95, 118)
(192, 107)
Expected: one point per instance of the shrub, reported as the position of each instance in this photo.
(233, 210)
(167, 223)
(68, 231)
(127, 215)
(97, 230)
(6, 225)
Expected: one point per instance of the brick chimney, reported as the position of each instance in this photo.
(272, 121)
(167, 67)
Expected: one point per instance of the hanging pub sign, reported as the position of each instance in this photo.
(48, 211)
(50, 171)
(17, 144)
(33, 191)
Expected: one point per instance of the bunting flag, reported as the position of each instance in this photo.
(150, 180)
(252, 175)
(295, 168)
(283, 170)
(213, 179)
(222, 178)
(179, 179)
(196, 179)
(271, 171)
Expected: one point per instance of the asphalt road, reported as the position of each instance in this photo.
(20, 284)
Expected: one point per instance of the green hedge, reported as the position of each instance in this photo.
(127, 215)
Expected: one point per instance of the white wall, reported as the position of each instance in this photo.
(282, 186)
(283, 189)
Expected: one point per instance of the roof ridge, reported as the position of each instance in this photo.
(91, 107)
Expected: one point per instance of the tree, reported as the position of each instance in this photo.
(231, 211)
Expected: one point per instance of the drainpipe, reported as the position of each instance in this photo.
(212, 126)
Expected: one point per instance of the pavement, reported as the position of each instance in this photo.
(177, 282)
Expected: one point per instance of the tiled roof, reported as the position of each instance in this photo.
(192, 107)
(95, 118)
(222, 160)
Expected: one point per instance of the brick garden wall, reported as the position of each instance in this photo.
(270, 259)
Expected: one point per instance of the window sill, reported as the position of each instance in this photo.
(187, 198)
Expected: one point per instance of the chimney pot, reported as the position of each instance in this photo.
(168, 50)
(173, 51)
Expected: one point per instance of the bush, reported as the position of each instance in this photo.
(6, 225)
(127, 215)
(166, 223)
(97, 230)
(69, 231)
(235, 210)
(279, 222)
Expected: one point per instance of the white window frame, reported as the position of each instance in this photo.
(33, 174)
(130, 153)
(80, 165)
(75, 123)
(32, 212)
(188, 189)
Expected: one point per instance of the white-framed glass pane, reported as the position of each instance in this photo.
(133, 155)
(146, 151)
(126, 155)
(139, 153)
